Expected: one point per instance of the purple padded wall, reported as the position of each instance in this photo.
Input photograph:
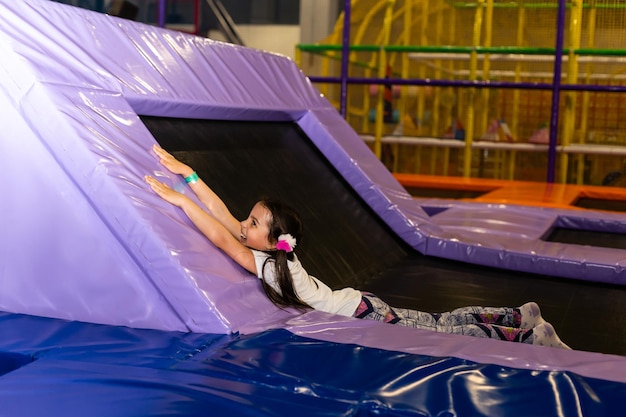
(83, 237)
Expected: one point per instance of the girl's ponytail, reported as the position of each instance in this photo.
(285, 231)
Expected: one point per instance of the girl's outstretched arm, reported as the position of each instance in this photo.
(216, 232)
(204, 193)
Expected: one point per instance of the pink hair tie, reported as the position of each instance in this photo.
(286, 243)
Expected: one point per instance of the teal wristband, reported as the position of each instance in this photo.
(192, 179)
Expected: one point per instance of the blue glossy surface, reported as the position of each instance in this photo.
(80, 369)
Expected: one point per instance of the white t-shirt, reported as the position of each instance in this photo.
(310, 289)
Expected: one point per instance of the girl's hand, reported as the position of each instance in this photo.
(171, 163)
(165, 192)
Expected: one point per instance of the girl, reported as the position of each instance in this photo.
(264, 244)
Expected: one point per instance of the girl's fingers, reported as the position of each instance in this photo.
(162, 153)
(152, 182)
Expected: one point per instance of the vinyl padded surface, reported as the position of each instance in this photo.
(74, 369)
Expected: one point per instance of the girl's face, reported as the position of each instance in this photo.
(255, 229)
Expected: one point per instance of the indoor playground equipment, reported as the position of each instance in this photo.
(530, 63)
(113, 304)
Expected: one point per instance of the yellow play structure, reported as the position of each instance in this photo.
(469, 129)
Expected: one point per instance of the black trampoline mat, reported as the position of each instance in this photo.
(456, 194)
(346, 244)
(600, 204)
(587, 237)
(587, 316)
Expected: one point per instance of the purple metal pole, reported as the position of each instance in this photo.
(161, 14)
(345, 55)
(556, 91)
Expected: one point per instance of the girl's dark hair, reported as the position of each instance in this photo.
(284, 220)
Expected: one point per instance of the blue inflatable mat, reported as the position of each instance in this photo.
(54, 367)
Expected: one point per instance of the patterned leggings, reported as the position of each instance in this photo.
(501, 323)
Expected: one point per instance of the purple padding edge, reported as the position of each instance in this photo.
(102, 146)
(159, 71)
(59, 259)
(593, 221)
(510, 237)
(370, 179)
(375, 334)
